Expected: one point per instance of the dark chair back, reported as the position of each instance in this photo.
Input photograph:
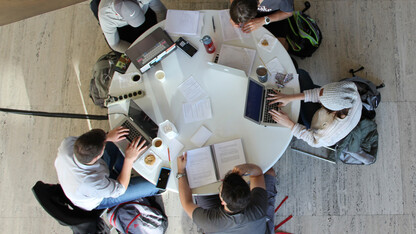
(52, 198)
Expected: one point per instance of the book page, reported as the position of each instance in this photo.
(200, 167)
(228, 154)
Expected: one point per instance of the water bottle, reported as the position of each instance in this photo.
(209, 44)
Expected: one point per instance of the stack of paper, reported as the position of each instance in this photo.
(180, 22)
(228, 55)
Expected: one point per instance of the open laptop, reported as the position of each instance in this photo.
(223, 68)
(257, 107)
(151, 49)
(139, 124)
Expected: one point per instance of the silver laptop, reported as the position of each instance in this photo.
(139, 124)
(151, 49)
(257, 107)
(222, 68)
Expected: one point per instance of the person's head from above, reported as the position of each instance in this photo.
(130, 11)
(338, 97)
(234, 192)
(89, 147)
(242, 11)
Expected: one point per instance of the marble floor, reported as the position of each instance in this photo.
(46, 64)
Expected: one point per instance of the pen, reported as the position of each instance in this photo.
(213, 24)
(169, 154)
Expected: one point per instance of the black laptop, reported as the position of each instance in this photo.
(151, 50)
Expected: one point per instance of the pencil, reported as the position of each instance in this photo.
(169, 154)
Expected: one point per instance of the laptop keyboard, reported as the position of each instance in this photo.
(133, 132)
(155, 51)
(267, 118)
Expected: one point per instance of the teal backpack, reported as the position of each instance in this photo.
(304, 36)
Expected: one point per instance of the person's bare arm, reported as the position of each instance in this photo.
(133, 151)
(185, 193)
(255, 173)
(256, 23)
(284, 99)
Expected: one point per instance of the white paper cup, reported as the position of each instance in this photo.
(157, 143)
(160, 75)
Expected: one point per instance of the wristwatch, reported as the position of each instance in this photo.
(179, 175)
(267, 20)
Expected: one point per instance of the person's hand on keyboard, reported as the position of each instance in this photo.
(135, 148)
(282, 118)
(117, 134)
(279, 97)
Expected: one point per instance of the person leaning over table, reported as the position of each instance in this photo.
(94, 174)
(239, 207)
(325, 124)
(123, 21)
(252, 14)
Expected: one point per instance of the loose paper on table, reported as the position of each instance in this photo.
(191, 90)
(197, 111)
(229, 32)
(181, 22)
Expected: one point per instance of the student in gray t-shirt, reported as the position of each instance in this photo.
(271, 14)
(239, 208)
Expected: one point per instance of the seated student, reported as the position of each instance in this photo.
(239, 207)
(123, 21)
(325, 124)
(85, 170)
(252, 14)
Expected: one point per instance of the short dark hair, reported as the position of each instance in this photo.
(89, 145)
(235, 192)
(241, 11)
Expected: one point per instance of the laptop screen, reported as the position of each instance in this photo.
(254, 102)
(143, 120)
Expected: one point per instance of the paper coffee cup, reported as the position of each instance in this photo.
(157, 143)
(160, 75)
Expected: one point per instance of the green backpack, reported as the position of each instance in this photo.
(304, 36)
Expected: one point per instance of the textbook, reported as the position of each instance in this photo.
(209, 164)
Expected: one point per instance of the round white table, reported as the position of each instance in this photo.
(163, 101)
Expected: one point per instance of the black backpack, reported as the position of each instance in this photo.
(370, 96)
(304, 36)
(102, 74)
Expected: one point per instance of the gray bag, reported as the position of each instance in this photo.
(138, 217)
(102, 74)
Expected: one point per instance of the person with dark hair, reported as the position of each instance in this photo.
(327, 114)
(123, 21)
(94, 174)
(239, 207)
(253, 14)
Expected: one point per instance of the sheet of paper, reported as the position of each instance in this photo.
(228, 154)
(200, 167)
(181, 22)
(228, 55)
(274, 66)
(229, 32)
(201, 136)
(197, 111)
(175, 148)
(191, 90)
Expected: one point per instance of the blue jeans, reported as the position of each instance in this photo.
(307, 109)
(138, 186)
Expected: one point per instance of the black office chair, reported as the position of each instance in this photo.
(52, 198)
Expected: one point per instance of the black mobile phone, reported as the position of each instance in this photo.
(186, 46)
(163, 178)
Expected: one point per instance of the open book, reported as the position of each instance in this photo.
(209, 164)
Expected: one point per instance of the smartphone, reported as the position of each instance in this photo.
(163, 178)
(122, 64)
(186, 47)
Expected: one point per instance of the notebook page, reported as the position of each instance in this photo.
(200, 167)
(228, 154)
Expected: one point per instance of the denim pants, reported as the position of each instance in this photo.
(307, 109)
(138, 186)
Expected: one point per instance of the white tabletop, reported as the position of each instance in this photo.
(163, 101)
